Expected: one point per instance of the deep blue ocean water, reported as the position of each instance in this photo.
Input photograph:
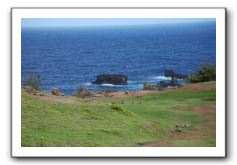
(66, 57)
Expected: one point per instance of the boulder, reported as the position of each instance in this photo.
(57, 92)
(85, 94)
(178, 129)
(115, 79)
(30, 90)
(170, 73)
(88, 94)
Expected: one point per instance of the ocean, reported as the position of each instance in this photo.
(67, 57)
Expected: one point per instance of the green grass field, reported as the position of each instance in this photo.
(147, 120)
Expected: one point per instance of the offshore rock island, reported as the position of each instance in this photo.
(114, 79)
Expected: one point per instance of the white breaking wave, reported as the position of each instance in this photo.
(110, 85)
(161, 78)
(87, 83)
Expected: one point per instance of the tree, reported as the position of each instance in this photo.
(206, 73)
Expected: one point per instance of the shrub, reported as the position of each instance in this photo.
(34, 81)
(79, 89)
(206, 73)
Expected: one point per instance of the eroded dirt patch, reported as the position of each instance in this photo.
(161, 144)
(204, 110)
(186, 87)
(189, 134)
(190, 87)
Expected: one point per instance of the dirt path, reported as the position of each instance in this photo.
(187, 87)
(195, 135)
(191, 87)
(206, 111)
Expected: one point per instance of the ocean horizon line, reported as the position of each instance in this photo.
(122, 25)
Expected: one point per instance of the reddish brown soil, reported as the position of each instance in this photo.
(190, 134)
(190, 87)
(187, 87)
(204, 110)
(208, 112)
(161, 144)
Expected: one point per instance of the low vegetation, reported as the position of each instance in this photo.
(34, 81)
(140, 121)
(205, 74)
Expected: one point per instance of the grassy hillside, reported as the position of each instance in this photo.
(148, 120)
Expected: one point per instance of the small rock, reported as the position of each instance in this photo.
(88, 94)
(30, 90)
(126, 92)
(41, 94)
(181, 125)
(178, 129)
(57, 92)
(188, 125)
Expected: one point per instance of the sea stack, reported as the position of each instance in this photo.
(115, 79)
(170, 73)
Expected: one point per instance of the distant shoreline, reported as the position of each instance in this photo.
(121, 94)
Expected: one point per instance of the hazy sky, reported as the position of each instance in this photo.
(55, 22)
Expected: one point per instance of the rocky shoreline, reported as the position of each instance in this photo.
(94, 95)
(116, 79)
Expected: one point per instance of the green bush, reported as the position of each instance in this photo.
(206, 73)
(34, 81)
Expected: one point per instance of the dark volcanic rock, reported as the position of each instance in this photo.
(115, 79)
(170, 73)
(57, 92)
